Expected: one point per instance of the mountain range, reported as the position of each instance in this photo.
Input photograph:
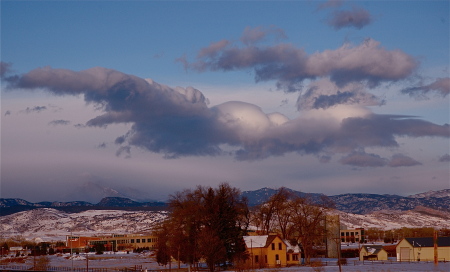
(349, 203)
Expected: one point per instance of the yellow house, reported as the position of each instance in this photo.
(265, 251)
(293, 254)
(422, 249)
(372, 252)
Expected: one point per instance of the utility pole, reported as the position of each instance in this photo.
(435, 240)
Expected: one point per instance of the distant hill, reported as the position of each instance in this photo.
(365, 203)
(350, 203)
(13, 205)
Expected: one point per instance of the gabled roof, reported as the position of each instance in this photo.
(428, 241)
(372, 249)
(255, 241)
(290, 248)
(260, 240)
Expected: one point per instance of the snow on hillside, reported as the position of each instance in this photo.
(388, 219)
(51, 224)
(441, 193)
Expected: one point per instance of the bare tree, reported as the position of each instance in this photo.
(206, 223)
(308, 223)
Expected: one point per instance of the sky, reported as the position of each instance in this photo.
(153, 97)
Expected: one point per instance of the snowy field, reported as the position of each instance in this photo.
(121, 260)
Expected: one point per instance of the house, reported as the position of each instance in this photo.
(422, 249)
(293, 254)
(266, 251)
(372, 253)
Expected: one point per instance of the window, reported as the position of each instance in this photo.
(277, 257)
(347, 234)
(343, 239)
(273, 246)
(149, 240)
(280, 246)
(295, 257)
(287, 257)
(342, 234)
(138, 240)
(256, 259)
(352, 233)
(132, 240)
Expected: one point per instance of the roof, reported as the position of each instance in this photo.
(259, 240)
(255, 241)
(373, 249)
(428, 241)
(290, 248)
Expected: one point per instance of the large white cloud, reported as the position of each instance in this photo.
(178, 122)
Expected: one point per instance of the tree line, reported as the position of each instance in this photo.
(209, 223)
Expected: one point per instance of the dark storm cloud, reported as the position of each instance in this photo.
(362, 159)
(399, 160)
(59, 123)
(440, 86)
(177, 121)
(289, 66)
(357, 17)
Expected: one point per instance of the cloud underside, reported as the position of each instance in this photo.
(178, 122)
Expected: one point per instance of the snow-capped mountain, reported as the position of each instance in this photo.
(429, 194)
(390, 219)
(13, 205)
(365, 203)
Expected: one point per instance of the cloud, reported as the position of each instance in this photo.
(331, 4)
(399, 160)
(102, 145)
(289, 66)
(178, 122)
(59, 123)
(253, 35)
(440, 86)
(445, 158)
(357, 17)
(324, 93)
(5, 68)
(36, 109)
(362, 159)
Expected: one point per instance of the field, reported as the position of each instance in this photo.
(145, 261)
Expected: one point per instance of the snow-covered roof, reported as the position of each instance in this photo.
(256, 241)
(373, 249)
(289, 246)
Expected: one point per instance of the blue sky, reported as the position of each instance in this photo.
(360, 87)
